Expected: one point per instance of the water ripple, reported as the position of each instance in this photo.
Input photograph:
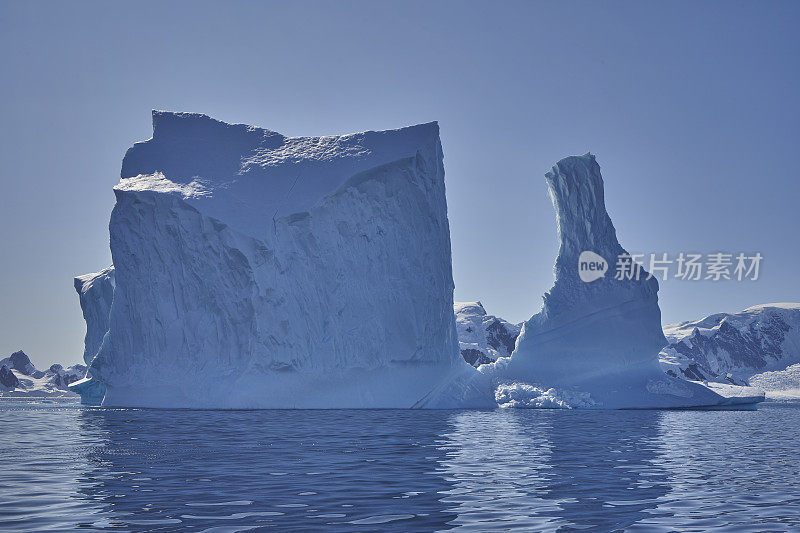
(63, 467)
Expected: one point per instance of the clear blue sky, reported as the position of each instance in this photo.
(691, 107)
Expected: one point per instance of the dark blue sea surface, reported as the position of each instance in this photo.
(64, 467)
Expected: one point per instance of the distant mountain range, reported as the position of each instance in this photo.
(759, 346)
(20, 378)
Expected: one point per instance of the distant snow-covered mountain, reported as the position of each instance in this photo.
(759, 346)
(20, 378)
(483, 338)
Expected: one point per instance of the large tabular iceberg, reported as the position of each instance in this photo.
(254, 270)
(595, 343)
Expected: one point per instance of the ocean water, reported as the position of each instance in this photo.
(63, 467)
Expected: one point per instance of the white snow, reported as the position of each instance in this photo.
(779, 384)
(527, 396)
(482, 337)
(35, 383)
(158, 183)
(247, 177)
(735, 394)
(779, 305)
(43, 386)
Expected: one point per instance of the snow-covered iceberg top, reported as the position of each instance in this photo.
(249, 177)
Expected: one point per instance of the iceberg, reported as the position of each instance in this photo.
(255, 270)
(96, 292)
(596, 340)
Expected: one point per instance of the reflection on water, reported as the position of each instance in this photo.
(546, 470)
(604, 475)
(150, 470)
(341, 469)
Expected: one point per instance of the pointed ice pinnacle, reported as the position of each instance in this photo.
(595, 339)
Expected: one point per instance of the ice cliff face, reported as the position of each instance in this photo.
(597, 338)
(96, 293)
(755, 345)
(258, 270)
(483, 338)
